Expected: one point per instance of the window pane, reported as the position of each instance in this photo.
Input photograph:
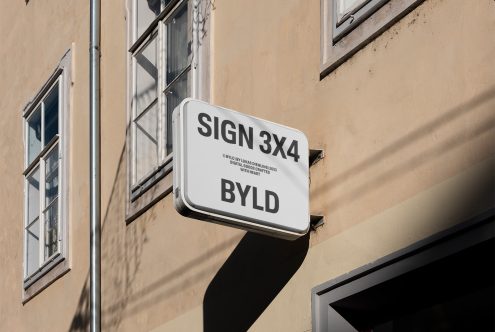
(51, 176)
(177, 92)
(33, 198)
(51, 229)
(146, 156)
(51, 114)
(146, 76)
(32, 247)
(177, 44)
(34, 135)
(147, 11)
(347, 6)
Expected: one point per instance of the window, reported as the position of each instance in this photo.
(348, 25)
(443, 283)
(167, 43)
(349, 13)
(161, 64)
(45, 222)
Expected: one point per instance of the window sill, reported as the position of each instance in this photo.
(335, 54)
(47, 275)
(158, 185)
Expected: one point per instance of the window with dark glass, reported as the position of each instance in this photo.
(442, 283)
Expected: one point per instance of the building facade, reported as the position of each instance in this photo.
(396, 97)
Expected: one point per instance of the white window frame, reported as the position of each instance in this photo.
(157, 30)
(353, 17)
(57, 264)
(144, 192)
(342, 37)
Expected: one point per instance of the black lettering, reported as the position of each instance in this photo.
(226, 191)
(293, 151)
(255, 198)
(202, 118)
(244, 135)
(215, 127)
(231, 138)
(267, 148)
(279, 146)
(275, 207)
(243, 193)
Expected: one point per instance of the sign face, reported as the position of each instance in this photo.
(241, 171)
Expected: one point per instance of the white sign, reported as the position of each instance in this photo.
(240, 171)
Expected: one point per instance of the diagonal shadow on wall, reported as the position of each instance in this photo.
(253, 275)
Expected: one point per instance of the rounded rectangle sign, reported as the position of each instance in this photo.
(239, 170)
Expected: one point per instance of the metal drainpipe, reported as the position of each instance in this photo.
(94, 181)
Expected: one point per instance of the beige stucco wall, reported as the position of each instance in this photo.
(407, 126)
(35, 36)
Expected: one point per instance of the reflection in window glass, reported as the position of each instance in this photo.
(33, 197)
(32, 247)
(147, 11)
(42, 181)
(51, 115)
(177, 44)
(347, 6)
(51, 176)
(146, 77)
(146, 147)
(34, 135)
(176, 93)
(51, 229)
(161, 66)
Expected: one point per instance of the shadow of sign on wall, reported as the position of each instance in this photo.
(253, 275)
